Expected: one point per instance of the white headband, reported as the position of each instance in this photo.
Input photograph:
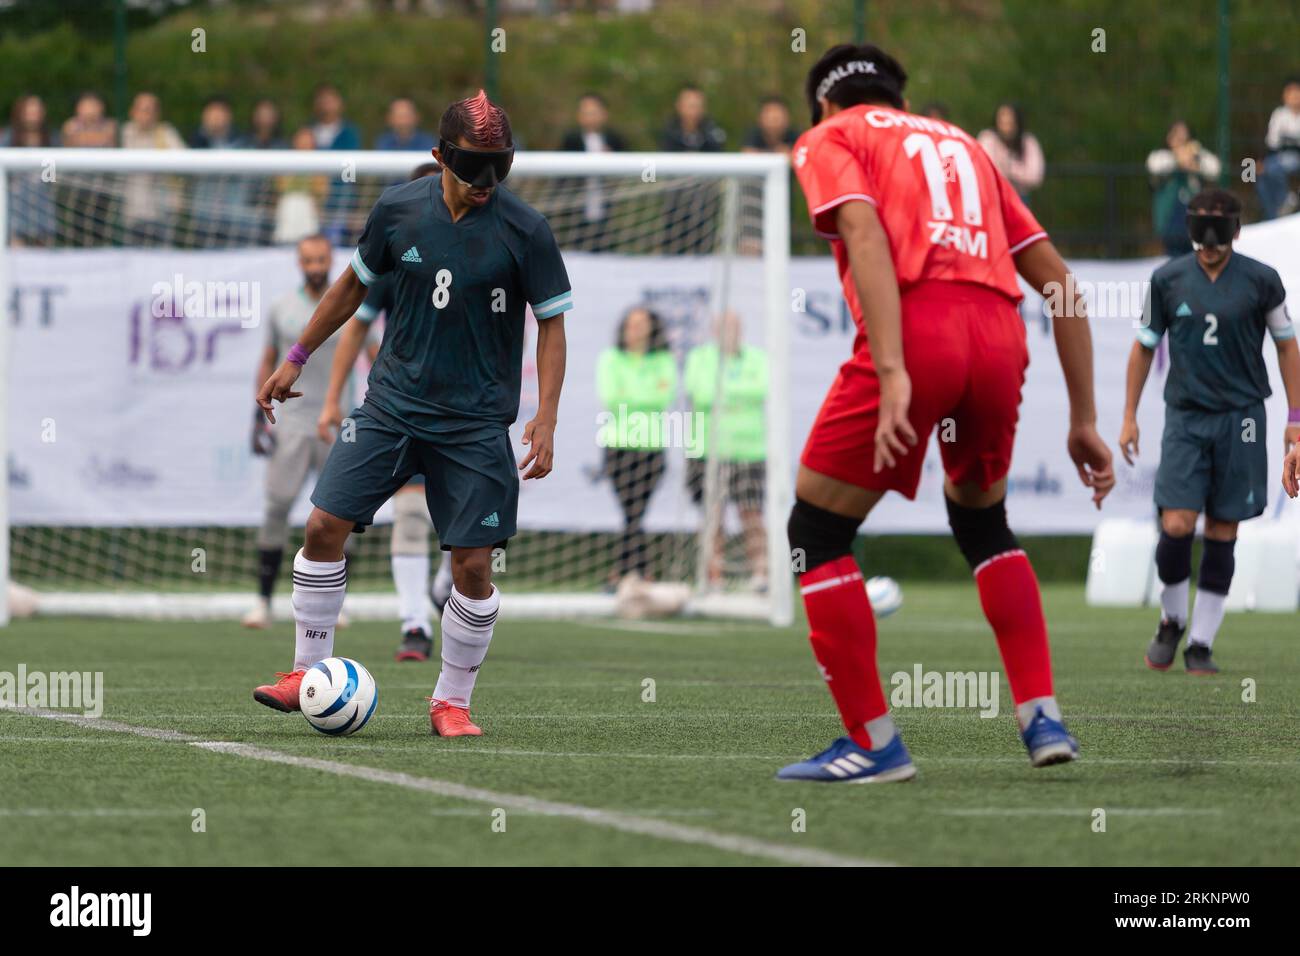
(843, 71)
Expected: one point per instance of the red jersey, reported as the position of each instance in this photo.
(949, 214)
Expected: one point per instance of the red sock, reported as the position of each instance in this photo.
(843, 636)
(1009, 593)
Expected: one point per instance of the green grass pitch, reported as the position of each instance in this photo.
(588, 772)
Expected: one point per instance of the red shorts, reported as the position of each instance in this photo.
(964, 350)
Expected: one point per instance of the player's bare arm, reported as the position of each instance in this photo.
(345, 357)
(877, 286)
(1044, 269)
(539, 434)
(338, 305)
(1135, 379)
(1288, 363)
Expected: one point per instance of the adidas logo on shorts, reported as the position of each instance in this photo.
(491, 521)
(411, 255)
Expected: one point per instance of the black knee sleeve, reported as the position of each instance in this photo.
(1217, 565)
(817, 535)
(1174, 558)
(980, 533)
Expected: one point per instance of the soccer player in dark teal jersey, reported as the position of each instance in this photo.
(1215, 305)
(466, 258)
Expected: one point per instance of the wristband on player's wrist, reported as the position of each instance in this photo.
(297, 355)
(1293, 416)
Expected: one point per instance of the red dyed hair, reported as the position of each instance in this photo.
(480, 121)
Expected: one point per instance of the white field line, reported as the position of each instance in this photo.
(1080, 812)
(357, 746)
(609, 819)
(88, 812)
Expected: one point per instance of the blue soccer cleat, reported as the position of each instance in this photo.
(1048, 741)
(846, 762)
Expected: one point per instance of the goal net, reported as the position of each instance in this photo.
(139, 282)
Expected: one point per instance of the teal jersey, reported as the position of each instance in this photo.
(451, 361)
(1216, 330)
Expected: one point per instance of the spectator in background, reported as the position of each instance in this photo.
(691, 211)
(734, 376)
(28, 124)
(89, 126)
(150, 203)
(297, 212)
(403, 130)
(264, 127)
(265, 132)
(636, 381)
(1178, 172)
(216, 126)
(773, 132)
(221, 206)
(32, 218)
(690, 130)
(331, 130)
(1014, 150)
(1283, 144)
(593, 135)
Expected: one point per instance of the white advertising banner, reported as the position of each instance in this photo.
(131, 383)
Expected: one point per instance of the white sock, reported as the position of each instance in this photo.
(442, 583)
(1173, 601)
(318, 588)
(881, 731)
(411, 577)
(1029, 709)
(1207, 615)
(466, 633)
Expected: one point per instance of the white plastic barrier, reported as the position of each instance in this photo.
(1266, 575)
(1122, 563)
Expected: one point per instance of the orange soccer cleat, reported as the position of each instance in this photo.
(449, 720)
(283, 694)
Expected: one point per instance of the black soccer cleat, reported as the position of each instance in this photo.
(415, 646)
(1199, 660)
(1161, 650)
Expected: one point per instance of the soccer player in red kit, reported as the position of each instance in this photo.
(928, 237)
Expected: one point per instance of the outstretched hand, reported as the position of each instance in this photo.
(278, 388)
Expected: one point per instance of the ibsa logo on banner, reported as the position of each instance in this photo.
(188, 325)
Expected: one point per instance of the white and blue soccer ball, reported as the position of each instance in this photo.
(885, 595)
(338, 696)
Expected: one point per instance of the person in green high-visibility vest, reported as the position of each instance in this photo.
(734, 374)
(637, 381)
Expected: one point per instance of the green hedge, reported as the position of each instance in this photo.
(1086, 107)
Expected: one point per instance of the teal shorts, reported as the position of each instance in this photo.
(472, 487)
(1215, 462)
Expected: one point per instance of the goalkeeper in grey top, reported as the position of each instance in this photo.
(466, 258)
(294, 449)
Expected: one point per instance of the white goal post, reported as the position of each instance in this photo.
(764, 249)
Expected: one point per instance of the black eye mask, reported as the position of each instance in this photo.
(1209, 230)
(477, 167)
